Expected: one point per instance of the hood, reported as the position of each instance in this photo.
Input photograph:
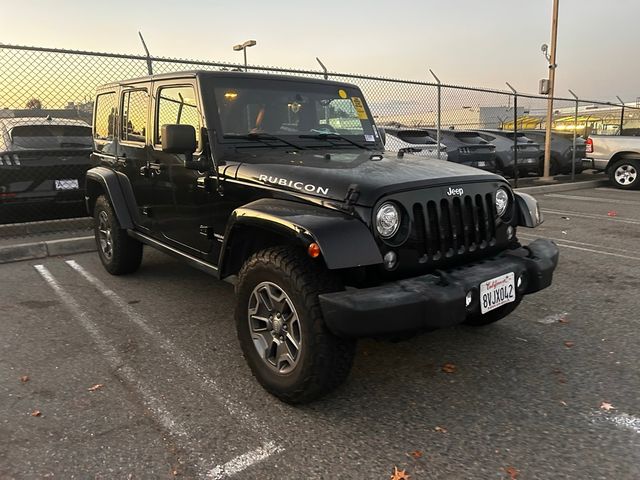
(374, 174)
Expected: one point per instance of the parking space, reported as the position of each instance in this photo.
(527, 397)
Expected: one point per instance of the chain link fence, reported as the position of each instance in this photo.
(46, 109)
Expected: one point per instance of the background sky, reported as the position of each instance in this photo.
(467, 42)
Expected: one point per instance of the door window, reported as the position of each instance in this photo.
(177, 105)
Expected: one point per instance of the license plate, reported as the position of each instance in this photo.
(497, 292)
(67, 184)
(482, 164)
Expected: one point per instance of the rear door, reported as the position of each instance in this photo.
(133, 147)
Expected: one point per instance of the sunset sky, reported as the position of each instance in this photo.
(470, 42)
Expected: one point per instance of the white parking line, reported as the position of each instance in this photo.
(622, 420)
(244, 461)
(593, 216)
(231, 403)
(158, 409)
(527, 236)
(592, 199)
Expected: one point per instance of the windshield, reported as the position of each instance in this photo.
(292, 109)
(51, 136)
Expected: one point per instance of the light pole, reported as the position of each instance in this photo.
(552, 80)
(243, 47)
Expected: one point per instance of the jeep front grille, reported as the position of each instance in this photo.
(455, 226)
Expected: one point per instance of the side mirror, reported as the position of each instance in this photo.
(181, 139)
(383, 135)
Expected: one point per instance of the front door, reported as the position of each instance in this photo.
(181, 211)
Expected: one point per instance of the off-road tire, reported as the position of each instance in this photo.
(632, 165)
(325, 360)
(493, 316)
(126, 252)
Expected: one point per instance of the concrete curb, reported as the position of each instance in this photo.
(49, 248)
(564, 187)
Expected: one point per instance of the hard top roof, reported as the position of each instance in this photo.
(207, 74)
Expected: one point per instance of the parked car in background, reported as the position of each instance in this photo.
(528, 151)
(43, 162)
(617, 155)
(561, 151)
(467, 147)
(413, 140)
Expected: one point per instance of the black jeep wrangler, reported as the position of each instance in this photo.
(281, 184)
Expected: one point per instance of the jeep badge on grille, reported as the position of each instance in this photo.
(455, 192)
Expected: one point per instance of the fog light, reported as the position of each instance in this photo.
(390, 259)
(469, 298)
(521, 282)
(510, 232)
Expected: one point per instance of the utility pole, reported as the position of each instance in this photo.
(552, 80)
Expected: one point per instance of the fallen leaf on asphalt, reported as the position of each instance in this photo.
(449, 368)
(95, 387)
(568, 344)
(564, 232)
(440, 429)
(612, 213)
(563, 320)
(416, 454)
(399, 474)
(606, 406)
(512, 472)
(563, 403)
(36, 413)
(24, 378)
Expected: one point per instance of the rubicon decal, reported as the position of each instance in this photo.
(304, 187)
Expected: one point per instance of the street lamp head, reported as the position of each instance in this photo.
(249, 43)
(237, 48)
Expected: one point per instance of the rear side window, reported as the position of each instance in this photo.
(177, 105)
(105, 117)
(135, 109)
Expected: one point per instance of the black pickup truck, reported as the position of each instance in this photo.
(281, 185)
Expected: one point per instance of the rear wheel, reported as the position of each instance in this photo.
(281, 330)
(120, 254)
(625, 174)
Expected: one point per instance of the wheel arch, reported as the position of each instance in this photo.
(269, 222)
(116, 187)
(620, 156)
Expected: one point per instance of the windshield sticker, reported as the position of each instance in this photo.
(359, 106)
(342, 93)
(285, 182)
(369, 138)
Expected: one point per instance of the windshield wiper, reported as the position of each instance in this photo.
(337, 136)
(261, 137)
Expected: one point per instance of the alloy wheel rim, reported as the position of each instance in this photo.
(626, 174)
(104, 235)
(275, 327)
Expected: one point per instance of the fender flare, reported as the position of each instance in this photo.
(117, 187)
(344, 240)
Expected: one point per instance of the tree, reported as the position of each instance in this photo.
(34, 104)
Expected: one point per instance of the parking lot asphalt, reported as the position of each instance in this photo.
(142, 376)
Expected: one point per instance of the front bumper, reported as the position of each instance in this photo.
(434, 300)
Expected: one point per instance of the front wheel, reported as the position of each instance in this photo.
(625, 174)
(281, 330)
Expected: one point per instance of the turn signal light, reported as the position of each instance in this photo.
(313, 250)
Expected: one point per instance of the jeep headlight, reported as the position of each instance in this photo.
(387, 220)
(502, 201)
